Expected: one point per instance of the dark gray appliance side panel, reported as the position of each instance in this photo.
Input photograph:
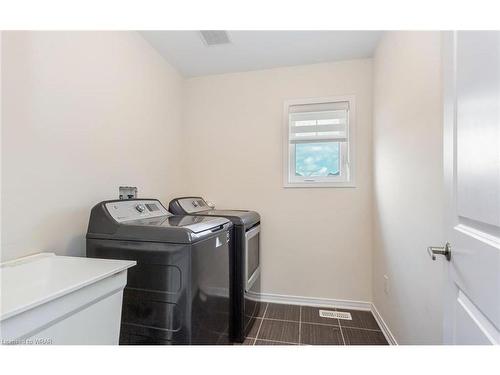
(210, 290)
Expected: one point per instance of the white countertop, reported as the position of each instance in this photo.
(34, 280)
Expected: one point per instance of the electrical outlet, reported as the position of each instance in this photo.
(386, 284)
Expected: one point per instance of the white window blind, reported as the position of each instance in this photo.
(319, 142)
(318, 122)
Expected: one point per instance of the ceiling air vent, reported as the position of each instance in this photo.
(215, 37)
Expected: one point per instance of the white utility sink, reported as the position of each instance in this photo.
(50, 299)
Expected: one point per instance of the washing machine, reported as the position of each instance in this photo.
(178, 293)
(245, 259)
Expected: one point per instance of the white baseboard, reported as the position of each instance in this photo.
(383, 326)
(330, 302)
(313, 301)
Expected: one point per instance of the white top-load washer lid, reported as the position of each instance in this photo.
(34, 280)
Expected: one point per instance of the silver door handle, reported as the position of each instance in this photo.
(438, 250)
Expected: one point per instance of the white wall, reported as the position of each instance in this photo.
(83, 113)
(316, 242)
(408, 184)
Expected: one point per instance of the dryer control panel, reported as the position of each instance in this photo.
(134, 209)
(192, 205)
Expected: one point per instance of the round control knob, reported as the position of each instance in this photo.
(140, 208)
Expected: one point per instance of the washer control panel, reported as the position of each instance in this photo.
(134, 209)
(193, 205)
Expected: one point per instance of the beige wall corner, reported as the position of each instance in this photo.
(408, 185)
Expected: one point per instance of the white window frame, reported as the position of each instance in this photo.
(347, 152)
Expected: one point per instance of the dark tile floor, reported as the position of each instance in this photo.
(279, 324)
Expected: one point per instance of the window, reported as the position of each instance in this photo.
(319, 143)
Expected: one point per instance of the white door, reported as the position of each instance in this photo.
(472, 175)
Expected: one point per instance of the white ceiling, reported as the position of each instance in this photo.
(253, 50)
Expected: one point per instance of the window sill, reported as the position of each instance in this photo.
(349, 184)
